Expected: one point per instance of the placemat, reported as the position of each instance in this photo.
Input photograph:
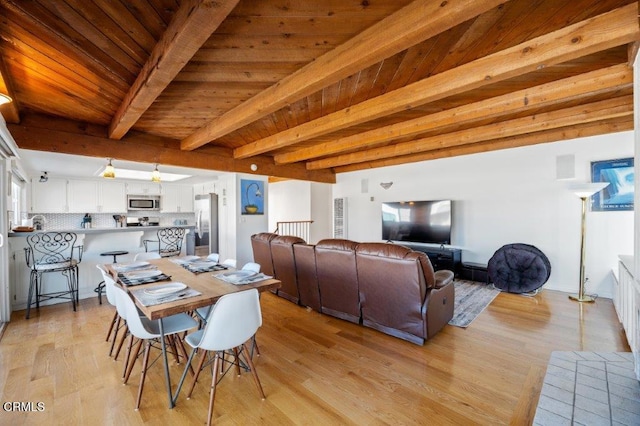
(150, 300)
(231, 279)
(146, 280)
(199, 267)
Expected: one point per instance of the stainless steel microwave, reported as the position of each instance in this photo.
(143, 202)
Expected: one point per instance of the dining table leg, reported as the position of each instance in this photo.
(167, 377)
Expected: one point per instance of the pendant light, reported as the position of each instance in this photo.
(155, 176)
(109, 171)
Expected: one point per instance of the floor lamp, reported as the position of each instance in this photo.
(584, 191)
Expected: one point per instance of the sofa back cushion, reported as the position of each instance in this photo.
(307, 276)
(284, 265)
(337, 278)
(261, 245)
(393, 288)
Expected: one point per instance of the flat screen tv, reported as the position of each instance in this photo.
(417, 221)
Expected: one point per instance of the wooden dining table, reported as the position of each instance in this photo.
(210, 288)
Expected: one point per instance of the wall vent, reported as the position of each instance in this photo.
(339, 218)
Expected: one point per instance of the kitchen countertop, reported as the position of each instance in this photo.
(102, 230)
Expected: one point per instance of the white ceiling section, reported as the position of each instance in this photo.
(8, 147)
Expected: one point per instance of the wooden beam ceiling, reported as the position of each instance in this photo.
(190, 27)
(43, 133)
(615, 78)
(575, 41)
(596, 111)
(416, 22)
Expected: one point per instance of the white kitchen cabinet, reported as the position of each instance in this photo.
(143, 188)
(49, 196)
(97, 196)
(113, 197)
(83, 196)
(177, 199)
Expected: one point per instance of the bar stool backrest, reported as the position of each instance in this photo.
(170, 241)
(51, 250)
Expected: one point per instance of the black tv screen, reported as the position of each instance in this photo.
(417, 221)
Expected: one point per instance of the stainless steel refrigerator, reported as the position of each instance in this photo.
(206, 208)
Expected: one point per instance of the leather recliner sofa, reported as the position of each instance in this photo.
(388, 287)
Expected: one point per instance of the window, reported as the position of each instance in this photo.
(15, 215)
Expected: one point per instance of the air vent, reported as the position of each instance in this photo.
(339, 218)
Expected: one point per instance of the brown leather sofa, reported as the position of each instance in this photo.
(284, 265)
(388, 287)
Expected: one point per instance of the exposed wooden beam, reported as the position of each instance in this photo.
(599, 81)
(190, 27)
(596, 111)
(414, 23)
(601, 32)
(9, 111)
(63, 136)
(555, 135)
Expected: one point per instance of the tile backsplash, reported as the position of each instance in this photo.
(105, 220)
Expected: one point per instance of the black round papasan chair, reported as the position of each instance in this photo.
(519, 268)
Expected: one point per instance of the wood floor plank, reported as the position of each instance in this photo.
(314, 369)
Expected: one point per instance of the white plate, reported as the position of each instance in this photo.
(165, 289)
(140, 275)
(131, 266)
(238, 275)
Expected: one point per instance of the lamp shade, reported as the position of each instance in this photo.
(155, 175)
(5, 99)
(587, 189)
(109, 171)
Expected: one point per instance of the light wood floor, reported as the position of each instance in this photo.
(314, 369)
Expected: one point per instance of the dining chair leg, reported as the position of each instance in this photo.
(243, 348)
(115, 332)
(122, 339)
(214, 382)
(131, 360)
(174, 348)
(254, 346)
(113, 323)
(195, 377)
(236, 361)
(143, 373)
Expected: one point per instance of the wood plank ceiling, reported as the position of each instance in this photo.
(306, 89)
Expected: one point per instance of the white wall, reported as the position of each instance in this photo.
(507, 196)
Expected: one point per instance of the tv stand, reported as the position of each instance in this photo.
(441, 257)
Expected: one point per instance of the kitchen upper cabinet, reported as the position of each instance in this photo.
(94, 196)
(49, 196)
(83, 196)
(113, 197)
(177, 199)
(143, 188)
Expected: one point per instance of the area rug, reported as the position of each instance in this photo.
(589, 388)
(471, 299)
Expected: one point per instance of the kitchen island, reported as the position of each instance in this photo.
(94, 241)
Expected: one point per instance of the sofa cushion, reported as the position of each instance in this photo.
(337, 278)
(284, 265)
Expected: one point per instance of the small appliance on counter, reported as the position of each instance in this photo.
(86, 221)
(37, 222)
(119, 219)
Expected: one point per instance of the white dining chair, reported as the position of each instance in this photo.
(203, 312)
(116, 322)
(150, 255)
(230, 262)
(233, 320)
(214, 257)
(147, 331)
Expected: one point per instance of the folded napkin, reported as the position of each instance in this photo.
(132, 279)
(147, 298)
(242, 277)
(132, 266)
(203, 266)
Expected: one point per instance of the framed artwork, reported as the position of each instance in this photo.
(252, 196)
(618, 195)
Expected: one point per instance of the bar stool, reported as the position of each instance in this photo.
(100, 288)
(52, 252)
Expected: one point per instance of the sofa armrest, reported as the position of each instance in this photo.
(443, 277)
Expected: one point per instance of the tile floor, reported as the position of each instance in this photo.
(589, 388)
